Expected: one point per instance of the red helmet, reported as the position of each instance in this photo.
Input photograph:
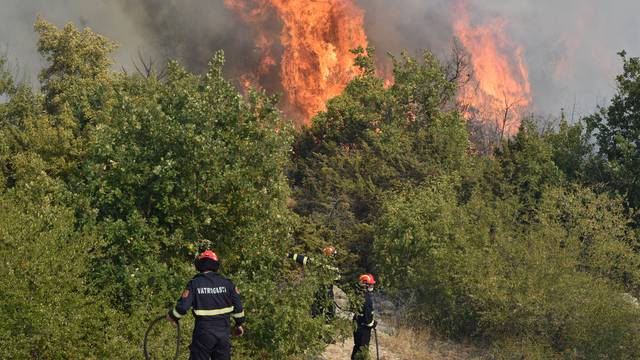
(208, 254)
(329, 251)
(367, 279)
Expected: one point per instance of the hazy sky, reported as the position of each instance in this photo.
(569, 46)
(18, 40)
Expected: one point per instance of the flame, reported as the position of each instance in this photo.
(316, 36)
(502, 88)
(256, 13)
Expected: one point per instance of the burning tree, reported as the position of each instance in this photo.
(499, 90)
(316, 37)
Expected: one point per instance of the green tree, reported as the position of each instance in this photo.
(527, 166)
(76, 81)
(371, 140)
(571, 149)
(6, 87)
(152, 166)
(554, 286)
(616, 129)
(47, 309)
(6, 80)
(48, 132)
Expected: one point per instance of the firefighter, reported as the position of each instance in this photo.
(363, 319)
(214, 300)
(324, 304)
(328, 251)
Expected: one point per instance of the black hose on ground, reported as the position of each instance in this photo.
(147, 355)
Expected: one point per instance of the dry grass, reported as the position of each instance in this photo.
(408, 344)
(398, 341)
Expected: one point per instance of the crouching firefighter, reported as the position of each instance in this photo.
(364, 319)
(213, 300)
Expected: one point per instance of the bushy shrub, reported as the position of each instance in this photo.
(47, 310)
(472, 269)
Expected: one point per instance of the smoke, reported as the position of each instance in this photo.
(18, 41)
(569, 46)
(193, 30)
(411, 25)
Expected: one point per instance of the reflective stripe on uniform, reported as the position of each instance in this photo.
(238, 315)
(304, 258)
(371, 323)
(214, 311)
(175, 313)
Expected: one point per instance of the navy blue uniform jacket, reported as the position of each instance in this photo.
(365, 317)
(213, 300)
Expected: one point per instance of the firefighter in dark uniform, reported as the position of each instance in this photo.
(364, 318)
(324, 304)
(214, 300)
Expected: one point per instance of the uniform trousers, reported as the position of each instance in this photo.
(361, 339)
(210, 343)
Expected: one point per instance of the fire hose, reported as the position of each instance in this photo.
(147, 354)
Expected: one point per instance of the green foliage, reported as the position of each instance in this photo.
(607, 244)
(505, 249)
(475, 269)
(110, 182)
(616, 129)
(49, 133)
(571, 150)
(363, 354)
(47, 310)
(154, 166)
(5, 88)
(6, 81)
(76, 80)
(421, 88)
(528, 167)
(371, 140)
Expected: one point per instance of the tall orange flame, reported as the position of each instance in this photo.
(316, 37)
(502, 88)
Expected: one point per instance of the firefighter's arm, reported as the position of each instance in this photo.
(299, 258)
(238, 310)
(183, 304)
(368, 312)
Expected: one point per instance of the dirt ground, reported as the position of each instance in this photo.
(406, 344)
(397, 341)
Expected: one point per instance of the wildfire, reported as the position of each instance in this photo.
(502, 88)
(316, 37)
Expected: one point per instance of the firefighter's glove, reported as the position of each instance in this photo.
(238, 331)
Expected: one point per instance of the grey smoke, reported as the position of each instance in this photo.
(19, 42)
(585, 35)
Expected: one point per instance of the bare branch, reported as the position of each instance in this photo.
(146, 67)
(458, 69)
